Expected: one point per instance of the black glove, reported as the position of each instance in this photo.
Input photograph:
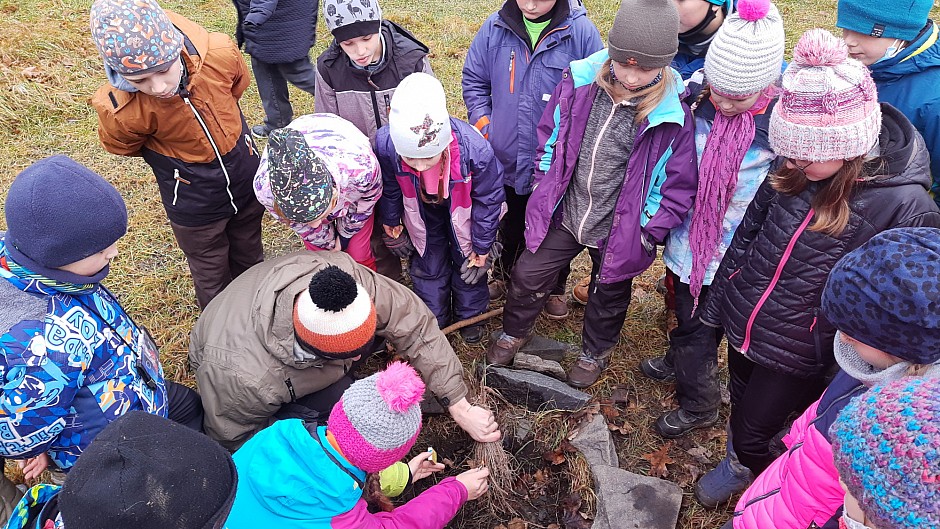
(472, 275)
(400, 247)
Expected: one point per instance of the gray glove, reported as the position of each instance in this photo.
(473, 275)
(400, 247)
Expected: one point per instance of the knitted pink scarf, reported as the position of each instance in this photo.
(727, 143)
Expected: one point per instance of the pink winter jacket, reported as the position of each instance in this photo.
(801, 486)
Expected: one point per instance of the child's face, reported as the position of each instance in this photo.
(363, 50)
(533, 9)
(634, 77)
(422, 164)
(875, 357)
(92, 264)
(692, 13)
(865, 48)
(162, 83)
(731, 106)
(816, 171)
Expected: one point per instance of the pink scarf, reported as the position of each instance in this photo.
(727, 143)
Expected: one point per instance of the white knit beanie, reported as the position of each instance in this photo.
(418, 121)
(747, 52)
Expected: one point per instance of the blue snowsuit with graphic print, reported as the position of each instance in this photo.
(70, 363)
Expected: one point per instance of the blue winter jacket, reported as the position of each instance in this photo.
(506, 84)
(71, 361)
(911, 83)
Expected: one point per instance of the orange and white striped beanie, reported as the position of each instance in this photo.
(335, 317)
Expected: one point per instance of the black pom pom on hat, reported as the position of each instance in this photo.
(332, 289)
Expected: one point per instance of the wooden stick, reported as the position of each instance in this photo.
(471, 321)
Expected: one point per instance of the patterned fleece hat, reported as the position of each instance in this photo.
(134, 36)
(886, 294)
(301, 184)
(886, 446)
(335, 317)
(418, 121)
(829, 107)
(377, 420)
(747, 51)
(148, 472)
(645, 33)
(894, 20)
(348, 19)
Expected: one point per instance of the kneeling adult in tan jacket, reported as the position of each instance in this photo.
(280, 341)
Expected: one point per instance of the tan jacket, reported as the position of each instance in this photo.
(243, 354)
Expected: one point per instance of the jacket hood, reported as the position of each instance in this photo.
(286, 475)
(921, 54)
(904, 158)
(396, 37)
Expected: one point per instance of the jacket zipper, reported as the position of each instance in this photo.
(512, 71)
(375, 103)
(545, 36)
(215, 148)
(773, 282)
(597, 142)
(176, 188)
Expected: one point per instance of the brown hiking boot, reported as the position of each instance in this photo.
(556, 308)
(503, 351)
(580, 291)
(587, 370)
(497, 288)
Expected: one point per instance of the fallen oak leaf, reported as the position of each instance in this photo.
(658, 461)
(700, 454)
(623, 429)
(517, 523)
(609, 412)
(554, 457)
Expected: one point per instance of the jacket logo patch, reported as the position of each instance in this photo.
(428, 131)
(878, 30)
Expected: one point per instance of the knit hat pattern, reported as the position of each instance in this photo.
(58, 212)
(418, 121)
(377, 420)
(134, 36)
(829, 106)
(148, 472)
(886, 294)
(645, 33)
(747, 51)
(301, 183)
(896, 20)
(886, 446)
(348, 19)
(335, 317)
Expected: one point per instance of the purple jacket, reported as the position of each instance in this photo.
(506, 83)
(476, 190)
(658, 187)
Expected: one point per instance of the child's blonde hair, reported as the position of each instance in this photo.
(650, 97)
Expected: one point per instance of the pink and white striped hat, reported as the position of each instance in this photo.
(829, 106)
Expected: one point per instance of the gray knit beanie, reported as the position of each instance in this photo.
(645, 33)
(348, 19)
(747, 52)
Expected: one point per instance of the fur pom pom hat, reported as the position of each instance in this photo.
(335, 317)
(829, 106)
(747, 51)
(377, 420)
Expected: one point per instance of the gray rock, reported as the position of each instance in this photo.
(543, 347)
(522, 430)
(539, 365)
(626, 500)
(594, 441)
(534, 390)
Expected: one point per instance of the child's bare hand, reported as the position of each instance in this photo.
(477, 261)
(337, 245)
(393, 232)
(421, 466)
(34, 467)
(475, 481)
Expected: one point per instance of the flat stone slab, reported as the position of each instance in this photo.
(626, 500)
(539, 365)
(543, 347)
(534, 390)
(594, 441)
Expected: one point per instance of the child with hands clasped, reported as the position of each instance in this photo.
(616, 171)
(295, 474)
(319, 176)
(853, 168)
(732, 119)
(443, 183)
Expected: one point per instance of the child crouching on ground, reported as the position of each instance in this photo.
(443, 181)
(300, 475)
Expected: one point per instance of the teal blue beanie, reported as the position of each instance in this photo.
(901, 20)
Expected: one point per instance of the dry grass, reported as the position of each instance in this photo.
(49, 69)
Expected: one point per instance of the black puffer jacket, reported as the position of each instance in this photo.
(276, 31)
(767, 291)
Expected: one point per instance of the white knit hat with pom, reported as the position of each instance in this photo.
(418, 121)
(746, 55)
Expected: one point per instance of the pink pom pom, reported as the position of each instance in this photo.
(752, 10)
(818, 47)
(400, 386)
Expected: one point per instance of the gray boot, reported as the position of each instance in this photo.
(727, 479)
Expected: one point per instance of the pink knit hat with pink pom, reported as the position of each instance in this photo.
(377, 420)
(829, 106)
